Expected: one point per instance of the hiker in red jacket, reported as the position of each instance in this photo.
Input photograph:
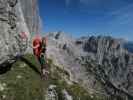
(37, 46)
(39, 50)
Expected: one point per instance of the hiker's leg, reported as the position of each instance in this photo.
(42, 76)
(45, 72)
(43, 69)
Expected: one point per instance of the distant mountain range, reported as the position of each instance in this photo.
(129, 46)
(98, 63)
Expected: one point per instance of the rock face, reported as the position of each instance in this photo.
(98, 63)
(62, 50)
(51, 93)
(14, 21)
(113, 64)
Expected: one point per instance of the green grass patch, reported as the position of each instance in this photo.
(75, 90)
(22, 82)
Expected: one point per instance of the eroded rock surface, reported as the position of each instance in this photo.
(112, 64)
(14, 20)
(100, 64)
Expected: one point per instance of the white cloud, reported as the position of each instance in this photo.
(123, 15)
(67, 2)
(124, 9)
(122, 21)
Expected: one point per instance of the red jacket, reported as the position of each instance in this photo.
(37, 47)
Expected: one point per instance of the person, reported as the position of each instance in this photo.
(43, 58)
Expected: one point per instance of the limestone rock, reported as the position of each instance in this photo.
(14, 21)
(92, 61)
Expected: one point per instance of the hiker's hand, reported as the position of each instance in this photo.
(34, 47)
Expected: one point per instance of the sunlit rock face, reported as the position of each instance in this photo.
(93, 61)
(18, 18)
(112, 64)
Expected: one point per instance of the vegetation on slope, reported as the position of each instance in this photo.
(23, 82)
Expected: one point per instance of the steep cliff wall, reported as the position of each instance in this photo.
(112, 65)
(16, 17)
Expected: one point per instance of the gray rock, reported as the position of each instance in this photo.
(100, 63)
(51, 93)
(14, 19)
(66, 95)
(112, 64)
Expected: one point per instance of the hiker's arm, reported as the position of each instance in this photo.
(34, 47)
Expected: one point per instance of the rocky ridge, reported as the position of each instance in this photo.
(93, 61)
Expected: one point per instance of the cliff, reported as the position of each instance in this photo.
(16, 17)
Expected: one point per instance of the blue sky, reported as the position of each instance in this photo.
(88, 17)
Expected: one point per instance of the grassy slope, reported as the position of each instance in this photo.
(75, 90)
(23, 82)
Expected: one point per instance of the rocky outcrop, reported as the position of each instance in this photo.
(92, 61)
(51, 93)
(63, 52)
(15, 21)
(31, 15)
(111, 64)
